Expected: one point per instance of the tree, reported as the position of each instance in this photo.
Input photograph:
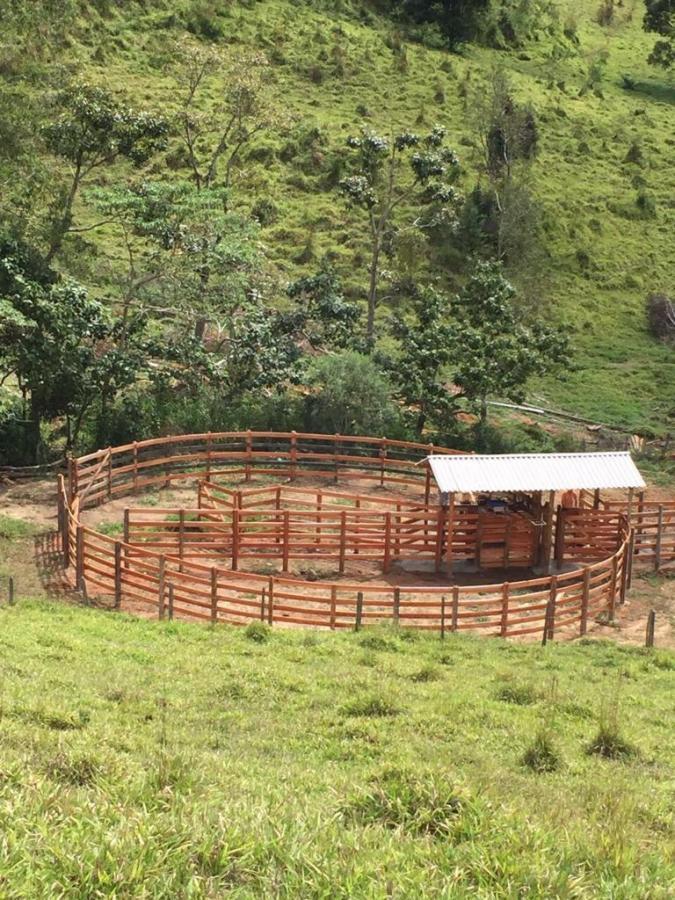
(245, 107)
(51, 334)
(321, 316)
(92, 130)
(407, 169)
(496, 351)
(426, 348)
(187, 260)
(660, 18)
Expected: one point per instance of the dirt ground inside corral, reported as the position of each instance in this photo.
(34, 560)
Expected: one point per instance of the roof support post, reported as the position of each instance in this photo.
(547, 537)
(449, 530)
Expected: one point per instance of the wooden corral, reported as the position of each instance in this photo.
(166, 562)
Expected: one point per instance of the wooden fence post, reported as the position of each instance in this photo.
(651, 624)
(583, 625)
(286, 535)
(170, 605)
(359, 611)
(455, 608)
(343, 539)
(383, 457)
(135, 467)
(125, 535)
(118, 574)
(549, 618)
(214, 595)
(659, 540)
(181, 538)
(235, 539)
(397, 606)
(294, 455)
(440, 524)
(109, 474)
(270, 601)
(625, 553)
(631, 554)
(262, 605)
(387, 543)
(161, 577)
(443, 617)
(336, 461)
(79, 558)
(333, 603)
(208, 456)
(612, 588)
(505, 610)
(249, 456)
(10, 591)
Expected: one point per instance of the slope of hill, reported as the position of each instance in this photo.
(169, 760)
(604, 173)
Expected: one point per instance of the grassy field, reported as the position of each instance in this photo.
(171, 760)
(606, 121)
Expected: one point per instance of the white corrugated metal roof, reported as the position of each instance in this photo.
(534, 472)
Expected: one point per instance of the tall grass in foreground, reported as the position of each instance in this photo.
(145, 759)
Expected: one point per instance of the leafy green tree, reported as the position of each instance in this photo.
(321, 315)
(188, 261)
(426, 341)
(92, 129)
(408, 169)
(660, 18)
(495, 350)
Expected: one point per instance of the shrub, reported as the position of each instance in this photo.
(542, 754)
(350, 396)
(377, 642)
(258, 632)
(201, 19)
(265, 211)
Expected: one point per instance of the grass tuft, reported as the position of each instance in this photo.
(542, 755)
(259, 632)
(372, 705)
(420, 804)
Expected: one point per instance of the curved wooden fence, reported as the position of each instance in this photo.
(116, 471)
(167, 583)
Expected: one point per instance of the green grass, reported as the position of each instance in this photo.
(145, 759)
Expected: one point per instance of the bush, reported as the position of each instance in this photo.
(259, 632)
(351, 396)
(201, 19)
(610, 743)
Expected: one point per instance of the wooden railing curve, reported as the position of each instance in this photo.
(129, 468)
(168, 584)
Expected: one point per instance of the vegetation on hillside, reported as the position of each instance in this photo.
(231, 190)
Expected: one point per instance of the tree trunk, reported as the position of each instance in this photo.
(66, 219)
(372, 287)
(35, 435)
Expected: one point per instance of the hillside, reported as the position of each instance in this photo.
(141, 759)
(603, 175)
